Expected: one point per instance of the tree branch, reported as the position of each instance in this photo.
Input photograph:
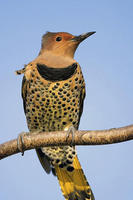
(97, 137)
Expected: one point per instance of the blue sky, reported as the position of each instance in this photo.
(106, 59)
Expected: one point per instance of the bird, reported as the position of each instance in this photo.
(53, 93)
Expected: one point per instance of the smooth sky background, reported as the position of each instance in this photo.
(107, 63)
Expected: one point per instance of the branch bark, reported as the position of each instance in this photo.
(96, 137)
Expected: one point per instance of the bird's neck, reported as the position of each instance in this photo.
(54, 60)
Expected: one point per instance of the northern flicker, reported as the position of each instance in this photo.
(53, 92)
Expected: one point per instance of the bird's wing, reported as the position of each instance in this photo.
(42, 157)
(24, 92)
(82, 97)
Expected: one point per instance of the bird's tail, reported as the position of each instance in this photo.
(74, 184)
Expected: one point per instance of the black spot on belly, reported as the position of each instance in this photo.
(70, 168)
(60, 89)
(57, 161)
(69, 162)
(61, 165)
(70, 156)
(64, 92)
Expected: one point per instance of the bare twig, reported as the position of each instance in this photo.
(97, 137)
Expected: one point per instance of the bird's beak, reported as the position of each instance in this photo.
(82, 37)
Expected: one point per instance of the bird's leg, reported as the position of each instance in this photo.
(20, 142)
(71, 130)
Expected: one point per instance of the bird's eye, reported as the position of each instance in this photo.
(58, 39)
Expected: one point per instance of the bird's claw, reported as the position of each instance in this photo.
(20, 142)
(71, 130)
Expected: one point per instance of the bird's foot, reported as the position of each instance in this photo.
(71, 130)
(20, 142)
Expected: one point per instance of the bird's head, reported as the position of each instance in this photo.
(62, 43)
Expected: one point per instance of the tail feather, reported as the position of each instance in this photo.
(74, 184)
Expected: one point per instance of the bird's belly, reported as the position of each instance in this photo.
(54, 109)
